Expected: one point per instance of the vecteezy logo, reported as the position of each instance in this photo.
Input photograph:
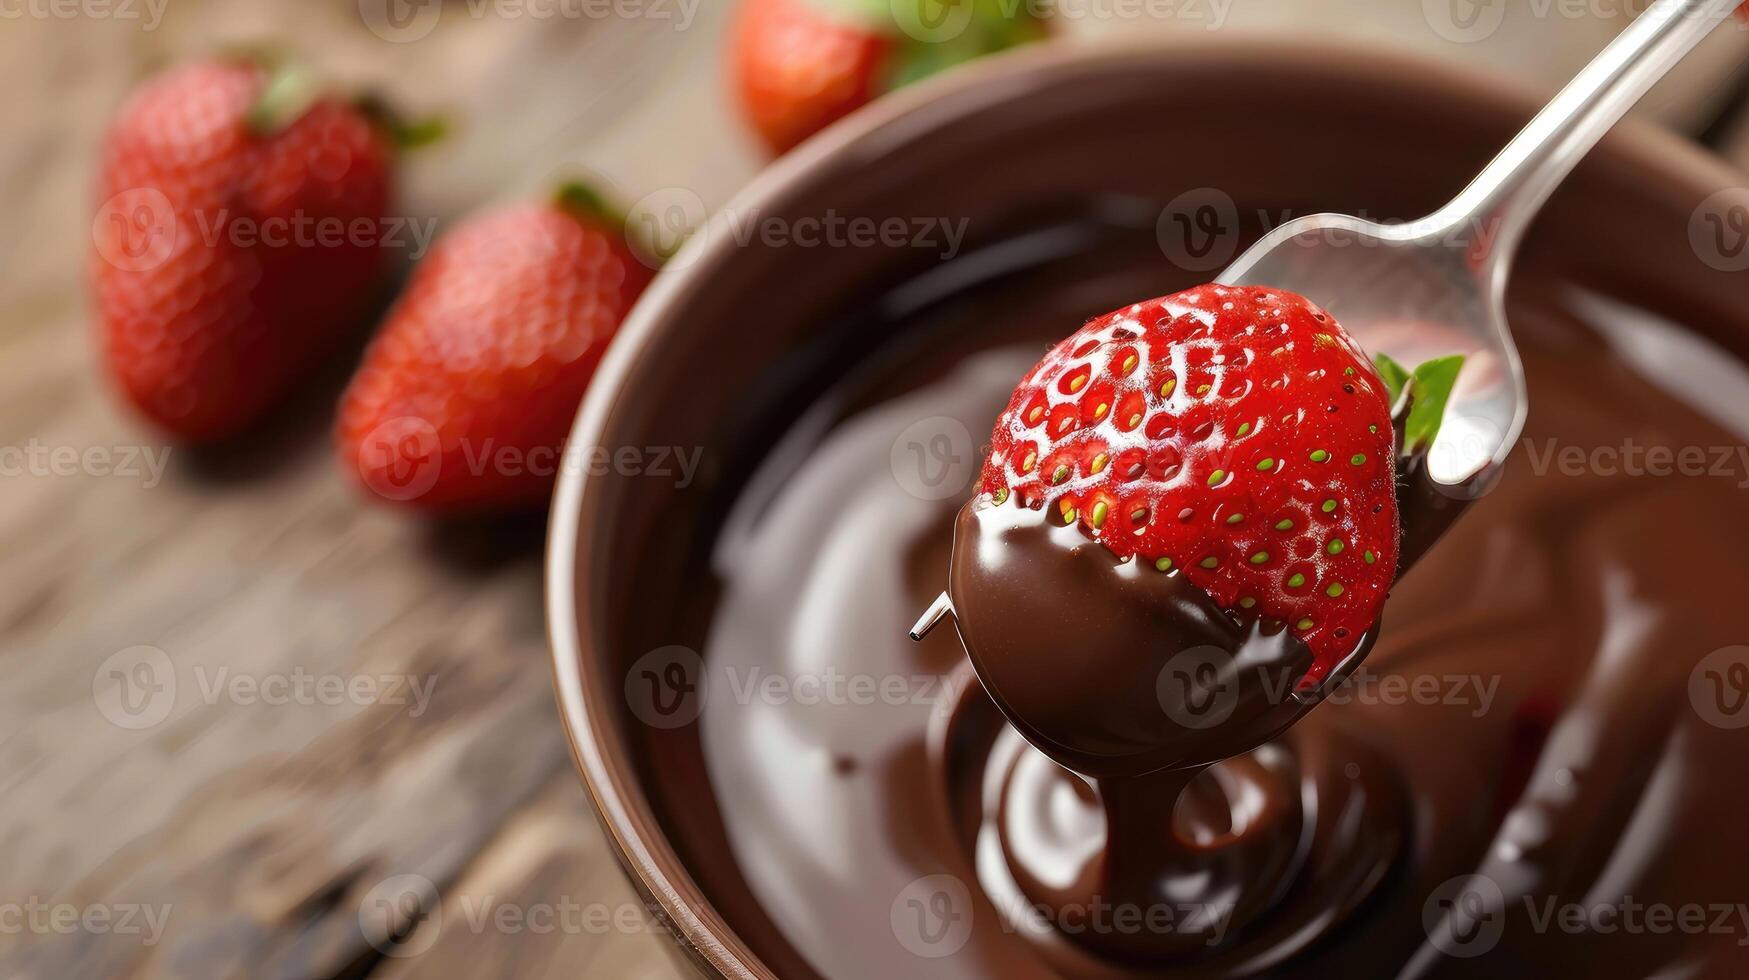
(1199, 229)
(1718, 231)
(1198, 688)
(932, 21)
(400, 21)
(1464, 21)
(932, 459)
(401, 458)
(932, 916)
(135, 688)
(1465, 916)
(1718, 687)
(399, 917)
(661, 222)
(135, 230)
(667, 687)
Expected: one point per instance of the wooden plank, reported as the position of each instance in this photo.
(546, 900)
(175, 624)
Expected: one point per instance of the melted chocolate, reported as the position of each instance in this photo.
(1108, 666)
(1135, 679)
(1527, 777)
(1161, 677)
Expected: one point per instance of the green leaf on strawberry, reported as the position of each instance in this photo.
(1394, 374)
(1429, 388)
(405, 133)
(1429, 391)
(800, 65)
(290, 91)
(579, 197)
(935, 40)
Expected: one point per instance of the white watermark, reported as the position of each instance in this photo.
(1211, 14)
(941, 235)
(406, 21)
(1200, 687)
(146, 464)
(1474, 21)
(1467, 916)
(942, 21)
(402, 459)
(564, 916)
(933, 458)
(1635, 459)
(1718, 230)
(139, 229)
(660, 222)
(1718, 687)
(1200, 230)
(399, 916)
(676, 463)
(1204, 921)
(147, 13)
(36, 917)
(836, 687)
(138, 687)
(669, 687)
(301, 230)
(932, 916)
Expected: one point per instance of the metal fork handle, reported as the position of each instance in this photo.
(1499, 204)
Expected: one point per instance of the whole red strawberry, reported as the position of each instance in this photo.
(1233, 435)
(802, 64)
(466, 395)
(238, 238)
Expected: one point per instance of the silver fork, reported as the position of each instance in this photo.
(1437, 285)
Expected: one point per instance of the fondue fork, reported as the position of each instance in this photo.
(1437, 285)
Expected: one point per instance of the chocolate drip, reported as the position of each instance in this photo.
(1108, 666)
(1135, 680)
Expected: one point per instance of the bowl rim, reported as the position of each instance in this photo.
(651, 861)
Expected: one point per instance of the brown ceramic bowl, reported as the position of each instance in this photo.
(1342, 130)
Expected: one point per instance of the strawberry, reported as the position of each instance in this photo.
(466, 395)
(212, 302)
(1233, 435)
(801, 64)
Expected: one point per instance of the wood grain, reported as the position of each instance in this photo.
(263, 832)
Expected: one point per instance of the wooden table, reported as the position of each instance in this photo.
(179, 774)
(261, 817)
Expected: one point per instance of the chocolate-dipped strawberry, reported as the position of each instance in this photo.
(1187, 523)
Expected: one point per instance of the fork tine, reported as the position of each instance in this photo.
(931, 616)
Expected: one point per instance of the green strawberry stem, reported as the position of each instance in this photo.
(406, 134)
(1394, 375)
(990, 26)
(875, 16)
(290, 91)
(582, 199)
(292, 88)
(933, 35)
(1429, 389)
